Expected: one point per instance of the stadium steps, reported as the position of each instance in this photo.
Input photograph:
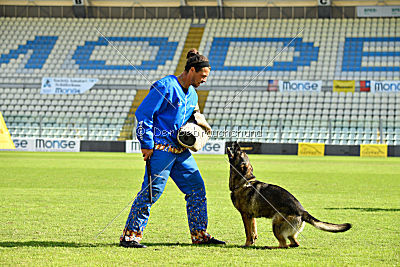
(193, 40)
(127, 129)
(203, 94)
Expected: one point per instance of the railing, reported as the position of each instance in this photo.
(85, 128)
(329, 131)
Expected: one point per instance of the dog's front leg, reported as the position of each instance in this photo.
(247, 221)
(254, 229)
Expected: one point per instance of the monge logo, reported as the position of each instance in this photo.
(20, 143)
(301, 86)
(55, 144)
(387, 86)
(211, 147)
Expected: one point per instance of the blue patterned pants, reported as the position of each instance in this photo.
(184, 172)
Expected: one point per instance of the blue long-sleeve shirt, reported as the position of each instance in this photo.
(163, 111)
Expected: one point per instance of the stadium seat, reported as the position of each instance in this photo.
(352, 121)
(239, 51)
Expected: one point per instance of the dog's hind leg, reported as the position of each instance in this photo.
(293, 242)
(296, 227)
(247, 221)
(276, 228)
(279, 227)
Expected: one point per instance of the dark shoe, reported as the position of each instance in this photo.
(213, 241)
(131, 244)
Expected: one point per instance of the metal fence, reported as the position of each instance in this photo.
(279, 130)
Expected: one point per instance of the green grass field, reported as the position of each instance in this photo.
(52, 205)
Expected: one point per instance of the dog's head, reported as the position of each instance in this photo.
(239, 160)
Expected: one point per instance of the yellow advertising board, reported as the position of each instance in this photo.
(311, 149)
(344, 86)
(373, 150)
(5, 138)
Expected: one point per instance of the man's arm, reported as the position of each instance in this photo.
(201, 120)
(144, 115)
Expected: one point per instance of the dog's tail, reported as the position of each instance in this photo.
(325, 226)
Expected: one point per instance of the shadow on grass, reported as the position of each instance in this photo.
(366, 209)
(216, 246)
(177, 244)
(12, 244)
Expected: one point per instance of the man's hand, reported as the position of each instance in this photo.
(147, 153)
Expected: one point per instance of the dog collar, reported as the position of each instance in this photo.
(246, 184)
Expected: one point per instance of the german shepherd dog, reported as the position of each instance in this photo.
(255, 199)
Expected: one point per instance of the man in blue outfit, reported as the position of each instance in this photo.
(168, 106)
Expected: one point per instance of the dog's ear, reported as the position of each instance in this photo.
(229, 152)
(236, 146)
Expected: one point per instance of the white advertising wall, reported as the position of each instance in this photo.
(378, 11)
(132, 146)
(212, 147)
(300, 86)
(46, 145)
(385, 86)
(66, 86)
